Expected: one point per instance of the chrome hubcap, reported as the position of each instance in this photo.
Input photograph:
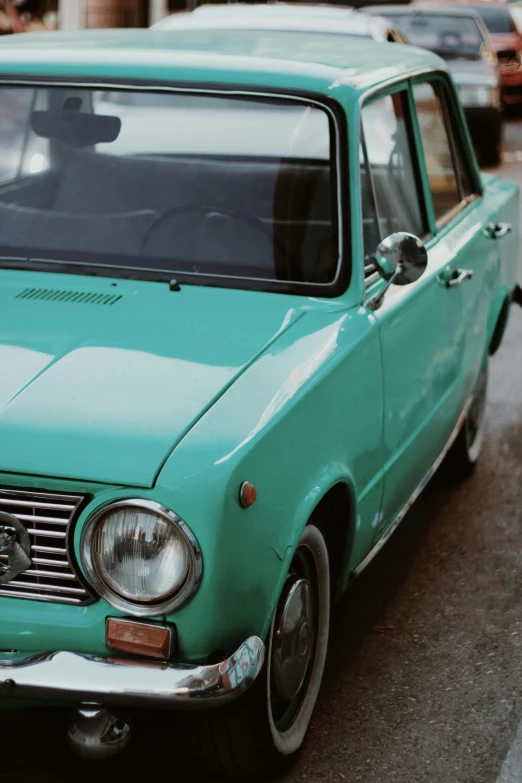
(293, 639)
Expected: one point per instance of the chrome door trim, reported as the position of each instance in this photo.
(392, 527)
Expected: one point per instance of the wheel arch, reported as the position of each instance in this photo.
(335, 516)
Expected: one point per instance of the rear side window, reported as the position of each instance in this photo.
(16, 106)
(448, 174)
(390, 187)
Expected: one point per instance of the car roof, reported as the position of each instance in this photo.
(280, 16)
(291, 61)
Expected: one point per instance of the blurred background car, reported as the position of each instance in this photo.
(458, 34)
(506, 40)
(342, 21)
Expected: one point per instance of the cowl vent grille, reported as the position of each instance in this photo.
(72, 297)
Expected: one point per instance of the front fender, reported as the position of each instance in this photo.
(305, 416)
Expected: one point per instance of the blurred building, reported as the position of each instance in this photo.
(77, 14)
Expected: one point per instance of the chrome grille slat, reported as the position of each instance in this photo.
(37, 504)
(47, 588)
(48, 549)
(45, 562)
(40, 597)
(48, 519)
(47, 533)
(48, 562)
(38, 572)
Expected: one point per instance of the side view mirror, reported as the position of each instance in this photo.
(400, 259)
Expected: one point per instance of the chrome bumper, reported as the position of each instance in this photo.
(74, 677)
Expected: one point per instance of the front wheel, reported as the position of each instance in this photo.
(257, 737)
(463, 455)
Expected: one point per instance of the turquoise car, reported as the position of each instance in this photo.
(249, 286)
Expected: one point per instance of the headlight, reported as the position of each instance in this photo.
(141, 557)
(471, 95)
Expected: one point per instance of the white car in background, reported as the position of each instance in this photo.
(342, 21)
(176, 122)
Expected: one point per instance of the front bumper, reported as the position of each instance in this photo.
(74, 677)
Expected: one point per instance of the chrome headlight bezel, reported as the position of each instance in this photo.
(150, 609)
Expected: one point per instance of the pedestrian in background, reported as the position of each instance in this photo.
(22, 16)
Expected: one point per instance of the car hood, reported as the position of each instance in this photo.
(101, 380)
(467, 71)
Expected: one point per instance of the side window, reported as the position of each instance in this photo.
(15, 106)
(390, 187)
(23, 152)
(449, 183)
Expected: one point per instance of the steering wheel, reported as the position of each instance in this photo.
(207, 210)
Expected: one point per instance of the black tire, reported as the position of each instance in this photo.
(258, 736)
(491, 144)
(463, 455)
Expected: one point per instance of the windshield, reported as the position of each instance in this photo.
(448, 36)
(497, 20)
(170, 183)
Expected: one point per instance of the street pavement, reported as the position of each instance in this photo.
(424, 677)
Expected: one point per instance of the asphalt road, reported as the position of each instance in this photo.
(424, 678)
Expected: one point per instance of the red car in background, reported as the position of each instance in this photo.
(506, 41)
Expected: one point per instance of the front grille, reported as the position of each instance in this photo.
(48, 518)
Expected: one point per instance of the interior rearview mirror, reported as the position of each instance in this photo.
(400, 259)
(77, 129)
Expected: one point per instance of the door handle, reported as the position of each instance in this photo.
(497, 230)
(459, 276)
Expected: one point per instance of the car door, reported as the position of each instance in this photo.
(462, 212)
(417, 322)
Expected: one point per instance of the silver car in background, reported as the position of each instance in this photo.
(458, 34)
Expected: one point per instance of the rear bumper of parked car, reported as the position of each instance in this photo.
(485, 127)
(483, 120)
(476, 114)
(77, 678)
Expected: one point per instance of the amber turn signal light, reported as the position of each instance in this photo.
(247, 494)
(131, 636)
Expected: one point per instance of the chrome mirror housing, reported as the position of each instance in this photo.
(400, 259)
